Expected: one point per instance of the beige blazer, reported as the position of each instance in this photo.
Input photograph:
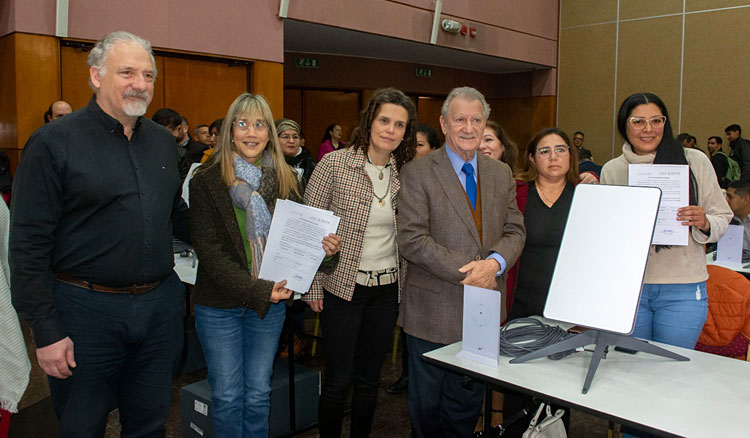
(437, 236)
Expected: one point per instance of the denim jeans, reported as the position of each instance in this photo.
(126, 347)
(239, 348)
(673, 314)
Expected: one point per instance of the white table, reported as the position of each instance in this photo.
(709, 396)
(738, 268)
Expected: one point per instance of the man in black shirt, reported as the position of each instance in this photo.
(719, 160)
(739, 150)
(96, 201)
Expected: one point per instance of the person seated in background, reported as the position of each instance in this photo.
(427, 140)
(202, 135)
(56, 110)
(194, 148)
(738, 198)
(687, 141)
(586, 164)
(725, 172)
(171, 120)
(294, 154)
(496, 145)
(331, 140)
(213, 130)
(739, 150)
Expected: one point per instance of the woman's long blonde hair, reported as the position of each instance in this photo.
(247, 104)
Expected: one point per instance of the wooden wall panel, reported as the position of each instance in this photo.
(648, 8)
(716, 93)
(700, 5)
(428, 111)
(8, 114)
(660, 73)
(268, 79)
(37, 65)
(293, 106)
(514, 115)
(586, 82)
(543, 113)
(201, 91)
(584, 12)
(75, 77)
(322, 108)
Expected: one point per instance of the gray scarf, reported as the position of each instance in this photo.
(245, 196)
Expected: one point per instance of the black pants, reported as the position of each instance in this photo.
(125, 348)
(356, 336)
(441, 403)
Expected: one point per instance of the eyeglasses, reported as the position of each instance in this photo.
(287, 137)
(656, 122)
(244, 125)
(546, 151)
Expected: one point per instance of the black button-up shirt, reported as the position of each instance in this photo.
(92, 204)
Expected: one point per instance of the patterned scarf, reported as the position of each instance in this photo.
(245, 196)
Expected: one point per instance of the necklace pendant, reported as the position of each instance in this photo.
(380, 177)
(382, 202)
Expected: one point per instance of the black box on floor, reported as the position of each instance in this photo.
(195, 402)
(307, 393)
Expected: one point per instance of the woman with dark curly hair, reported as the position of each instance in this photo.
(360, 184)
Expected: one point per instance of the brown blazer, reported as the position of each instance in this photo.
(437, 236)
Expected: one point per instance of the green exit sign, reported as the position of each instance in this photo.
(424, 72)
(306, 62)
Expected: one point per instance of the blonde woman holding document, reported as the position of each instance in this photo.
(673, 302)
(238, 315)
(359, 299)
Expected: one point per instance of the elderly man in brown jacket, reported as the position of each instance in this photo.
(459, 225)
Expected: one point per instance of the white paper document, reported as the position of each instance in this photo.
(481, 330)
(729, 249)
(294, 249)
(672, 179)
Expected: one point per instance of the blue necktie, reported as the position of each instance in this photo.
(471, 185)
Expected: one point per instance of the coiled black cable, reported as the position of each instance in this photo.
(524, 335)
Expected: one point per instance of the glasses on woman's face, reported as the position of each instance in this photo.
(287, 137)
(244, 125)
(559, 150)
(656, 122)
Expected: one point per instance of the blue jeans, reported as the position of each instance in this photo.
(126, 347)
(672, 313)
(239, 349)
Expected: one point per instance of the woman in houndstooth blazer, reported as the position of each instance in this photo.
(360, 298)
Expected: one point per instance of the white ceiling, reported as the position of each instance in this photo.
(304, 37)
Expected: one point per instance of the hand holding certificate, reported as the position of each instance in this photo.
(295, 246)
(672, 179)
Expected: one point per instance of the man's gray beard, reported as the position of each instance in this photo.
(135, 109)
